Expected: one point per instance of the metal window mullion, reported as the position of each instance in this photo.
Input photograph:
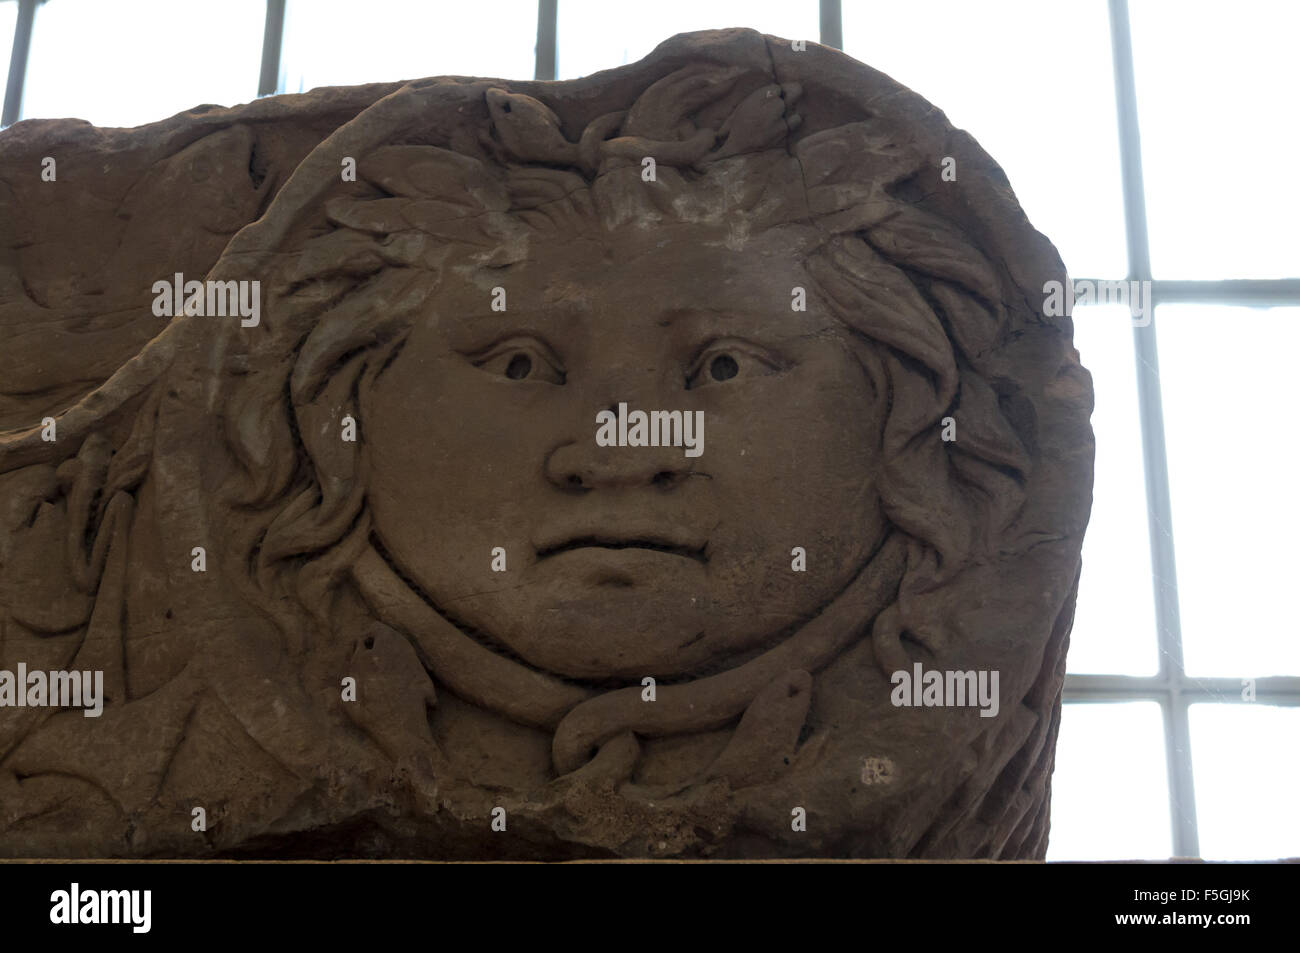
(1159, 521)
(268, 82)
(1268, 690)
(547, 15)
(1182, 784)
(1243, 292)
(831, 24)
(18, 62)
(1251, 293)
(1271, 689)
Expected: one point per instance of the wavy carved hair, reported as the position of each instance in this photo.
(921, 303)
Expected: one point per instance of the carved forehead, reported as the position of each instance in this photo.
(696, 257)
(690, 280)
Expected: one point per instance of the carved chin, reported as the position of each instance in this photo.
(604, 627)
(663, 618)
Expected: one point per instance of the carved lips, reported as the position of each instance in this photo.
(598, 536)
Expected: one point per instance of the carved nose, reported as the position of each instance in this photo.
(583, 465)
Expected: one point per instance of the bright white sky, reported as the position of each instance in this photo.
(8, 17)
(1032, 82)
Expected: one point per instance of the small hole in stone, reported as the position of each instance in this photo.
(370, 642)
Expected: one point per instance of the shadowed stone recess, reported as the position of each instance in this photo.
(601, 460)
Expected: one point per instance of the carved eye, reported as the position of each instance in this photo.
(521, 359)
(723, 367)
(724, 360)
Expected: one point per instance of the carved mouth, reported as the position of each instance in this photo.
(655, 544)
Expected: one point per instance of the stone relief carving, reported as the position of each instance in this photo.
(381, 561)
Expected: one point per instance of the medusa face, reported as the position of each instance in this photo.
(490, 488)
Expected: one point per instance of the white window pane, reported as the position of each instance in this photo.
(344, 43)
(1227, 379)
(1246, 774)
(1216, 86)
(593, 35)
(1033, 83)
(1110, 793)
(130, 62)
(1114, 621)
(8, 20)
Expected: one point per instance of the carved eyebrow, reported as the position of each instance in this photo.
(506, 338)
(760, 332)
(761, 352)
(567, 296)
(673, 315)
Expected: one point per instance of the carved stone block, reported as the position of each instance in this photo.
(674, 462)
